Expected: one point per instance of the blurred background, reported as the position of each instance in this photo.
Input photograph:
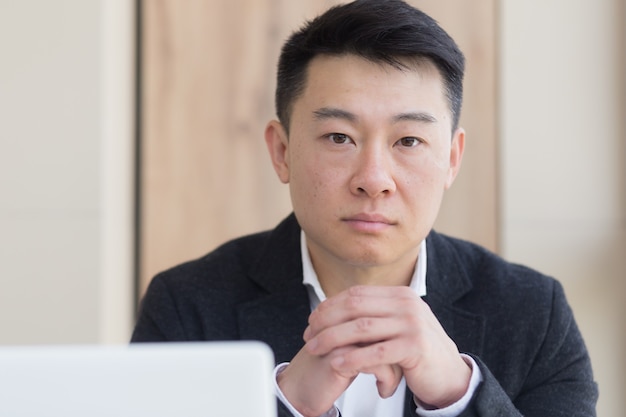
(131, 139)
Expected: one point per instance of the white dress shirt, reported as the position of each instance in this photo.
(361, 399)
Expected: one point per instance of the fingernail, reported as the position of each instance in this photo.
(307, 333)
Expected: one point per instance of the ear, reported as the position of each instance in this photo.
(278, 147)
(456, 155)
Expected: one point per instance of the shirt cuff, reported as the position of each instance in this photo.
(458, 407)
(333, 412)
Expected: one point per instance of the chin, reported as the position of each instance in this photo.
(367, 260)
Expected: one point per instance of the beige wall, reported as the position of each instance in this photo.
(64, 171)
(563, 181)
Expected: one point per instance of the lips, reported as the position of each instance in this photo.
(368, 223)
(369, 218)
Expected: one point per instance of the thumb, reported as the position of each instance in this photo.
(388, 378)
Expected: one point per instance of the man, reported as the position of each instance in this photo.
(368, 311)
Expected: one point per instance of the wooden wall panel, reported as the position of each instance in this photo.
(207, 83)
(470, 209)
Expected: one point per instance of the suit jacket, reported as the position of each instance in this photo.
(513, 321)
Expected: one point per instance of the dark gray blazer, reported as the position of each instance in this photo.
(514, 321)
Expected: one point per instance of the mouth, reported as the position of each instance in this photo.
(369, 222)
(371, 218)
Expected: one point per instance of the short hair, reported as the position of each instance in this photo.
(385, 31)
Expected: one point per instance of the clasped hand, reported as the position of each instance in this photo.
(389, 332)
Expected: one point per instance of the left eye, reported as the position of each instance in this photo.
(409, 141)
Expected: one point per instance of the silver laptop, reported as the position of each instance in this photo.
(220, 379)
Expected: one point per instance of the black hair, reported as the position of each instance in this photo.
(385, 31)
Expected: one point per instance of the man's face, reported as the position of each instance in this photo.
(368, 158)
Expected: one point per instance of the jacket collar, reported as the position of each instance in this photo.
(279, 265)
(446, 274)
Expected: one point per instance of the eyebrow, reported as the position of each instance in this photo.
(325, 113)
(334, 113)
(421, 117)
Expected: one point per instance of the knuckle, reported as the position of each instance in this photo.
(356, 290)
(363, 324)
(380, 351)
(354, 302)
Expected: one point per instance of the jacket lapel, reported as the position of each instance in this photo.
(280, 317)
(447, 282)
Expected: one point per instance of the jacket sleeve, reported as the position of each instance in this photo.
(560, 381)
(159, 319)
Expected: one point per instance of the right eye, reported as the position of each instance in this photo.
(339, 138)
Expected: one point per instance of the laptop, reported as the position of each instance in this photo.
(222, 379)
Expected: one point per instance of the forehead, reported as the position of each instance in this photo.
(355, 83)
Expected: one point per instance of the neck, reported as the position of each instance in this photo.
(336, 276)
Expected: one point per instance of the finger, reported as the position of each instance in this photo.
(372, 356)
(360, 301)
(387, 379)
(358, 332)
(308, 334)
(388, 291)
(405, 317)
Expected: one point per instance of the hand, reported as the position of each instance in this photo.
(389, 326)
(312, 385)
(301, 381)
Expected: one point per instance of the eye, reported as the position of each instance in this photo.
(409, 141)
(339, 138)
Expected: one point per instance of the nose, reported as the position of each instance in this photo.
(373, 173)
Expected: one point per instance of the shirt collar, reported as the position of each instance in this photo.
(316, 294)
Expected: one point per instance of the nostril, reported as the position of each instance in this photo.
(361, 190)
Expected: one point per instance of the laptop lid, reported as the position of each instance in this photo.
(154, 380)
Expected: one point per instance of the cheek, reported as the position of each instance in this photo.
(439, 165)
(424, 172)
(424, 183)
(308, 182)
(440, 158)
(324, 183)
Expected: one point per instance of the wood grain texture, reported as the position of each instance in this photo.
(470, 208)
(207, 87)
